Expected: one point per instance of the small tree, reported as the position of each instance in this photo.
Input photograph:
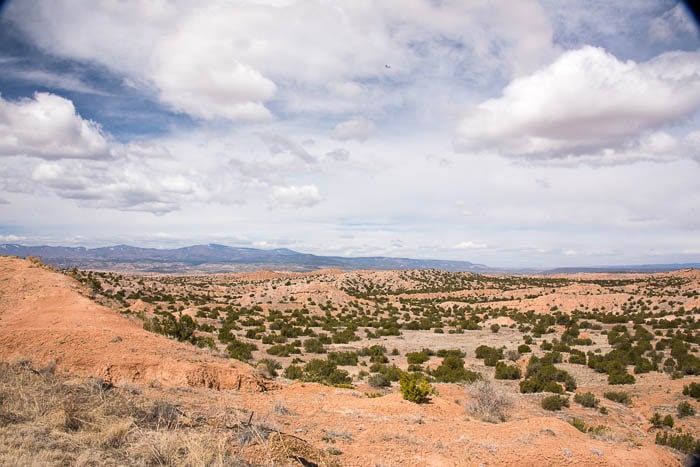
(668, 421)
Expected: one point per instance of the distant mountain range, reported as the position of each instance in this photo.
(214, 258)
(217, 258)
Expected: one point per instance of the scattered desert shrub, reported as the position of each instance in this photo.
(180, 327)
(685, 409)
(489, 403)
(490, 355)
(668, 421)
(343, 358)
(555, 402)
(442, 353)
(283, 350)
(618, 396)
(577, 357)
(376, 353)
(452, 370)
(587, 399)
(414, 387)
(416, 358)
(325, 372)
(684, 442)
(504, 371)
(313, 345)
(542, 376)
(524, 348)
(378, 381)
(620, 378)
(579, 424)
(390, 372)
(692, 390)
(240, 350)
(293, 372)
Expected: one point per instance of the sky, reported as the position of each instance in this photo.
(512, 134)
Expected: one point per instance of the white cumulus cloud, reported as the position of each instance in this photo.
(587, 103)
(48, 126)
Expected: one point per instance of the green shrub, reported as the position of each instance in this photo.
(620, 378)
(524, 348)
(587, 399)
(579, 424)
(372, 351)
(543, 376)
(656, 420)
(618, 396)
(313, 345)
(283, 350)
(343, 358)
(293, 372)
(495, 327)
(668, 421)
(442, 353)
(685, 409)
(204, 342)
(554, 403)
(240, 350)
(325, 372)
(504, 371)
(414, 387)
(577, 357)
(452, 370)
(693, 390)
(416, 358)
(684, 442)
(378, 381)
(390, 372)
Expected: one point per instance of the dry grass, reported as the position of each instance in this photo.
(46, 418)
(49, 419)
(489, 403)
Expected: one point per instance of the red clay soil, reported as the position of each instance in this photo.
(45, 319)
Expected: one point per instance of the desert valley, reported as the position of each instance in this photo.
(415, 367)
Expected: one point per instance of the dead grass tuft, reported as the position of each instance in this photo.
(489, 403)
